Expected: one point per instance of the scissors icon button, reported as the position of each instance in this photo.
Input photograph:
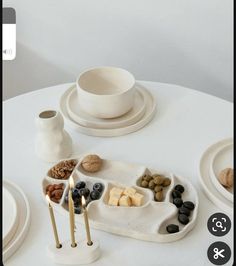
(219, 253)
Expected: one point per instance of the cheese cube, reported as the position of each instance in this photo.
(129, 191)
(125, 201)
(137, 199)
(117, 192)
(113, 200)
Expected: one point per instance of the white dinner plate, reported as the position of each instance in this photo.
(24, 219)
(204, 176)
(147, 117)
(85, 119)
(10, 217)
(222, 159)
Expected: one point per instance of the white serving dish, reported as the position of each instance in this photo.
(222, 159)
(106, 92)
(10, 216)
(206, 181)
(147, 117)
(84, 119)
(147, 222)
(24, 219)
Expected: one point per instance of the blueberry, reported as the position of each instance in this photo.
(180, 188)
(172, 228)
(75, 193)
(178, 202)
(77, 201)
(66, 199)
(80, 185)
(189, 205)
(95, 194)
(183, 219)
(98, 187)
(77, 210)
(183, 210)
(84, 192)
(176, 194)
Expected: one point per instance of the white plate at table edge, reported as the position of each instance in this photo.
(127, 119)
(12, 222)
(211, 192)
(149, 114)
(224, 192)
(23, 225)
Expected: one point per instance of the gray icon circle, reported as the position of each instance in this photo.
(219, 224)
(219, 253)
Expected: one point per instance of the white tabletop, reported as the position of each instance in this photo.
(186, 122)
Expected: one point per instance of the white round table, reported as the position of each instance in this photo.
(186, 123)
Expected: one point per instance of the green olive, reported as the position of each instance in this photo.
(166, 182)
(159, 196)
(151, 184)
(158, 180)
(147, 178)
(158, 188)
(144, 183)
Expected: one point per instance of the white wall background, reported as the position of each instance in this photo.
(187, 42)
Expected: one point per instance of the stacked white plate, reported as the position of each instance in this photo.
(142, 112)
(216, 158)
(16, 218)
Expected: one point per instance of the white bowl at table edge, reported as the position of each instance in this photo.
(223, 191)
(106, 105)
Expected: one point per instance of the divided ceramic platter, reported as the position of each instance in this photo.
(147, 222)
(146, 118)
(23, 219)
(222, 159)
(10, 216)
(84, 119)
(205, 179)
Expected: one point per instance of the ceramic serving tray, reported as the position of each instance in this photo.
(147, 222)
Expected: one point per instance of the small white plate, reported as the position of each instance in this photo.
(85, 119)
(147, 117)
(204, 176)
(223, 159)
(10, 218)
(24, 219)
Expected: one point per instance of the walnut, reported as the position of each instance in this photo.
(63, 169)
(91, 163)
(226, 177)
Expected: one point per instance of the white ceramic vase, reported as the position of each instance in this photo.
(52, 142)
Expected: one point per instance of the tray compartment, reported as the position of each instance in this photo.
(126, 174)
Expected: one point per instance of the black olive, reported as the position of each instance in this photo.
(189, 205)
(178, 202)
(172, 228)
(183, 219)
(176, 194)
(180, 188)
(183, 210)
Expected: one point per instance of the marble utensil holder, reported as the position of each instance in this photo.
(52, 142)
(81, 254)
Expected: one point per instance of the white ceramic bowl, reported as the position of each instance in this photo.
(106, 92)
